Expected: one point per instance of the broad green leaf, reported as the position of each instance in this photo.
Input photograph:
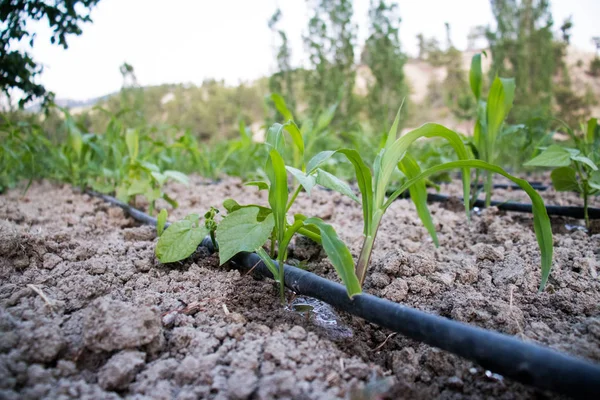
(180, 240)
(553, 156)
(307, 181)
(161, 220)
(261, 185)
(241, 231)
(476, 76)
(268, 262)
(541, 222)
(281, 106)
(177, 176)
(585, 160)
(418, 194)
(339, 255)
(133, 144)
(332, 182)
(564, 179)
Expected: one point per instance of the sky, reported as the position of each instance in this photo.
(187, 41)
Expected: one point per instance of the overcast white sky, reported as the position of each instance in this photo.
(190, 40)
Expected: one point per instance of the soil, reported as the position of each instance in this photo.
(86, 311)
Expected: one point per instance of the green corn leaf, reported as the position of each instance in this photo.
(278, 191)
(495, 111)
(391, 137)
(161, 220)
(76, 142)
(339, 255)
(180, 240)
(541, 222)
(564, 179)
(274, 137)
(332, 182)
(296, 135)
(418, 194)
(476, 76)
(281, 106)
(242, 231)
(292, 229)
(132, 140)
(268, 262)
(364, 179)
(553, 156)
(307, 181)
(397, 150)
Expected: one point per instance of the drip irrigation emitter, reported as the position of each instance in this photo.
(525, 362)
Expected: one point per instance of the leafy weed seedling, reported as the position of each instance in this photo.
(576, 169)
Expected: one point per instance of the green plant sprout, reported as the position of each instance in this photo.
(576, 169)
(143, 177)
(373, 187)
(249, 227)
(490, 119)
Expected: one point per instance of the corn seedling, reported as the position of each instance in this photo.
(490, 118)
(249, 227)
(575, 169)
(373, 185)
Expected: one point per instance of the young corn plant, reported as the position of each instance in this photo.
(250, 227)
(575, 169)
(490, 119)
(373, 184)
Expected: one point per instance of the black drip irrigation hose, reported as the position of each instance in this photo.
(562, 211)
(528, 363)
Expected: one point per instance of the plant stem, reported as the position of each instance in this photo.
(364, 259)
(296, 192)
(281, 279)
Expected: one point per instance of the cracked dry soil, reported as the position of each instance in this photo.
(86, 311)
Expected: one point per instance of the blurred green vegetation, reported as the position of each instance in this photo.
(343, 98)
